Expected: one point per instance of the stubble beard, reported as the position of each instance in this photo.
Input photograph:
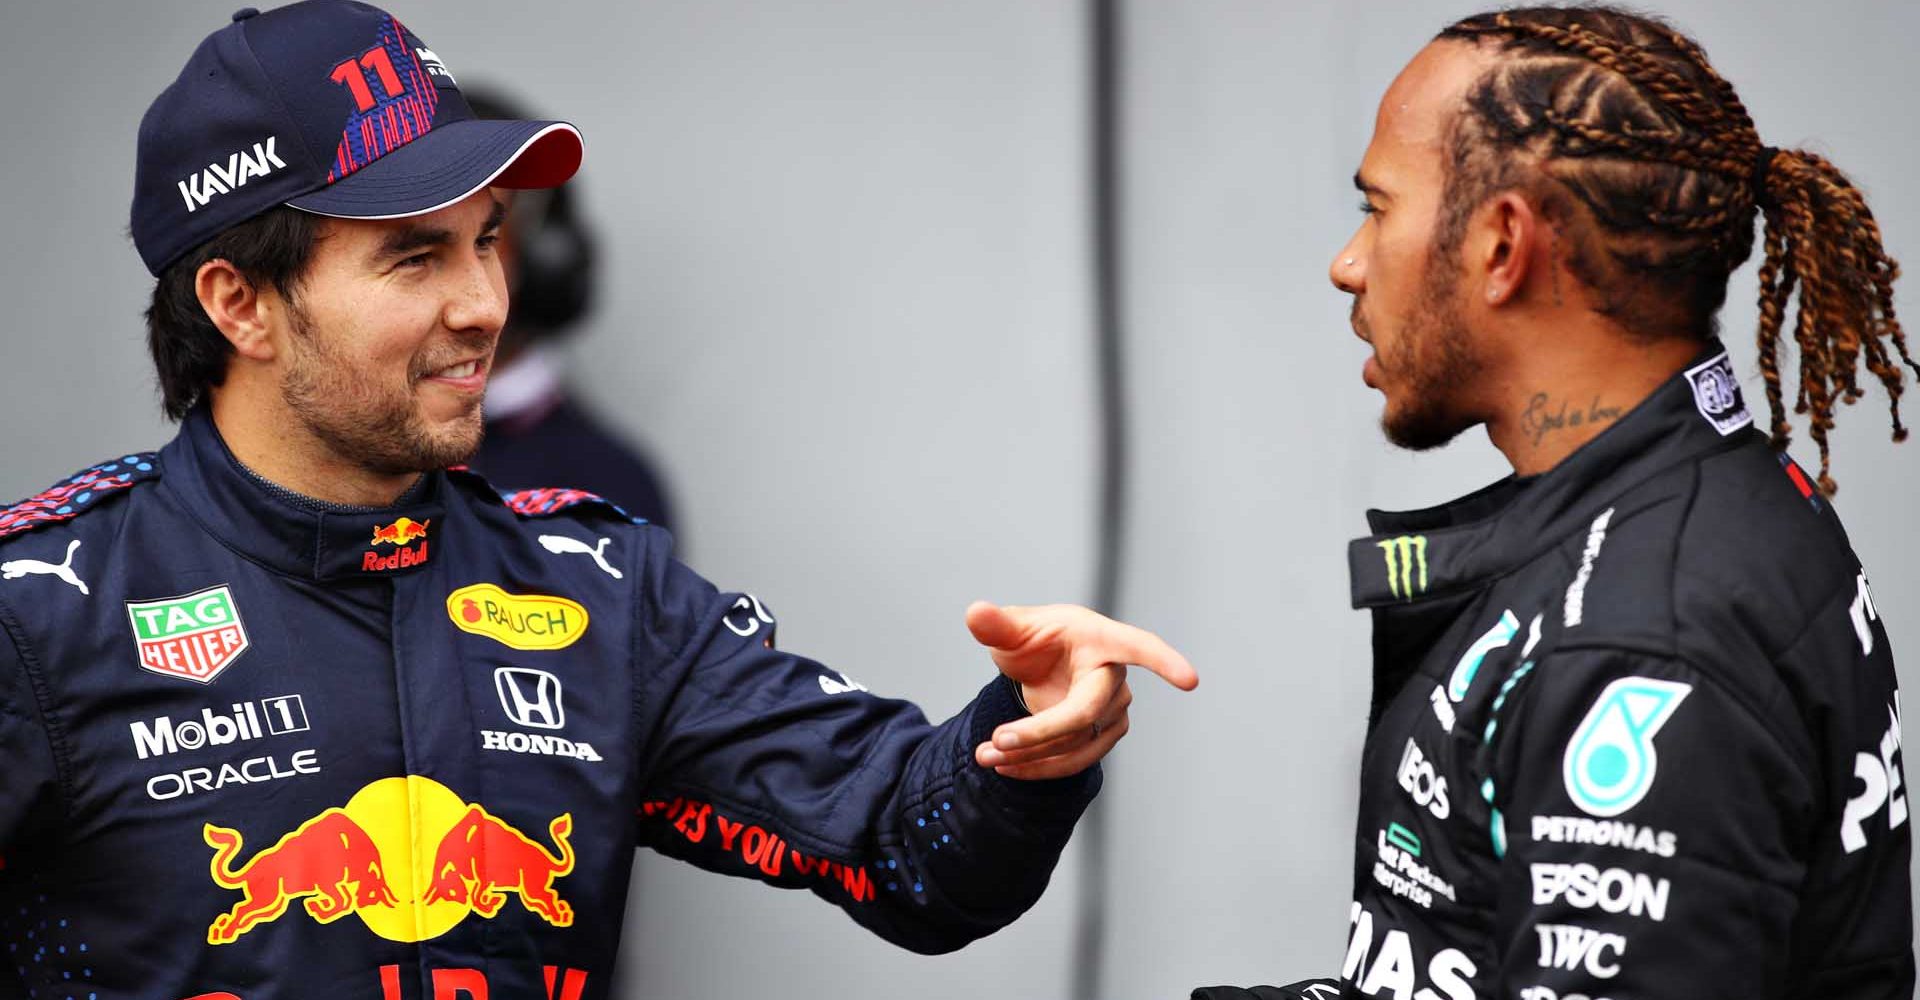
(380, 431)
(1434, 359)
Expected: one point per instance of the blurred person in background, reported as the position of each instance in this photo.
(537, 432)
(1635, 729)
(290, 707)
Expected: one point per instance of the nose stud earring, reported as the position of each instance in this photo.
(1348, 262)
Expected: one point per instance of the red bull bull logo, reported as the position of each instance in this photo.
(317, 862)
(481, 856)
(364, 859)
(401, 532)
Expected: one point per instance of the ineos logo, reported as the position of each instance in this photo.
(1423, 783)
(531, 698)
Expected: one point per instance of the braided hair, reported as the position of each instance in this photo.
(1618, 119)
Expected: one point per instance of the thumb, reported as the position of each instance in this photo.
(994, 626)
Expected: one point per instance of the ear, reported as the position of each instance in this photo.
(1512, 234)
(236, 308)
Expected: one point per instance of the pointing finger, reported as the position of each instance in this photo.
(1121, 642)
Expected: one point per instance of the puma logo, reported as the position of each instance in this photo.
(844, 685)
(562, 545)
(18, 568)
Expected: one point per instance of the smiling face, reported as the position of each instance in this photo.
(1410, 292)
(391, 335)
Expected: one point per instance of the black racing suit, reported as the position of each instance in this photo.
(255, 748)
(1635, 731)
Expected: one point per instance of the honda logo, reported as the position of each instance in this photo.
(530, 697)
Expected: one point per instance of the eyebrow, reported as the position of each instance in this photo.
(1367, 187)
(405, 241)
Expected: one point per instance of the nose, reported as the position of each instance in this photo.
(477, 302)
(1348, 270)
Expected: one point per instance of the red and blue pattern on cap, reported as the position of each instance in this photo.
(391, 119)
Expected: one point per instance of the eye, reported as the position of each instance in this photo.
(417, 260)
(1367, 207)
(488, 242)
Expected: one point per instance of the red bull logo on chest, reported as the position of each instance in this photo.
(406, 855)
(194, 637)
(400, 533)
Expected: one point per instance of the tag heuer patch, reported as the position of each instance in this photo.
(193, 637)
(1716, 391)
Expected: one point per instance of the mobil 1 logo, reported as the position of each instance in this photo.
(246, 720)
(241, 722)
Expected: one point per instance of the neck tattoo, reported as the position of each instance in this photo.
(1544, 415)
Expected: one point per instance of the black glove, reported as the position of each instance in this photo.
(1305, 989)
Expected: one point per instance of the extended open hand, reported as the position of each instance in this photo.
(1071, 665)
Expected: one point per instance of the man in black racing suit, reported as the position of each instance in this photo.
(1635, 729)
(290, 708)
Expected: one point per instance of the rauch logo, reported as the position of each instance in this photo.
(521, 621)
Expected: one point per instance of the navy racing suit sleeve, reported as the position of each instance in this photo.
(1658, 822)
(30, 799)
(768, 765)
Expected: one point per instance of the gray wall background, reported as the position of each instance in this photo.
(848, 309)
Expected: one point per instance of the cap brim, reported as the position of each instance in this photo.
(447, 165)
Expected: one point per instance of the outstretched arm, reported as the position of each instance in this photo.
(768, 765)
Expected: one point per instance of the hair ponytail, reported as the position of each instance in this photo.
(1822, 240)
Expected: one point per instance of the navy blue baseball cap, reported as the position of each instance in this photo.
(330, 106)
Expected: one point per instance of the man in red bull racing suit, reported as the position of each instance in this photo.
(286, 710)
(1635, 727)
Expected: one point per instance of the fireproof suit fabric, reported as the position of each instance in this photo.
(252, 746)
(1634, 730)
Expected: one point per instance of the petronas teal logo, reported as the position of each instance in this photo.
(1406, 565)
(1611, 763)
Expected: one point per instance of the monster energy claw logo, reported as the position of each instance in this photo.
(1404, 554)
